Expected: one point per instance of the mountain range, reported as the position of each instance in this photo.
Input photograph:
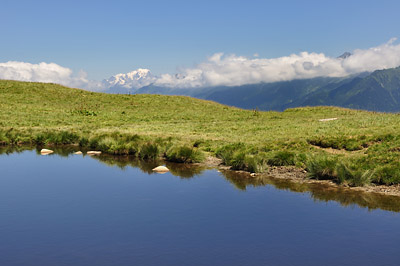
(127, 83)
(375, 91)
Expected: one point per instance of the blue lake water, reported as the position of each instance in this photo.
(81, 210)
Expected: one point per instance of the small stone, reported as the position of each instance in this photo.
(161, 169)
(78, 152)
(93, 153)
(46, 151)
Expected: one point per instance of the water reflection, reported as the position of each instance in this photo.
(319, 192)
(241, 181)
(176, 169)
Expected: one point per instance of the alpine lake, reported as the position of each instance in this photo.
(66, 209)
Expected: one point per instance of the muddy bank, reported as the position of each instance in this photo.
(300, 176)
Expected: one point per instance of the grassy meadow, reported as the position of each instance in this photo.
(358, 148)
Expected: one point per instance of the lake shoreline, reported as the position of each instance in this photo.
(289, 173)
(299, 175)
(346, 146)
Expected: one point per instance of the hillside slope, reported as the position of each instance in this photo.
(379, 91)
(183, 129)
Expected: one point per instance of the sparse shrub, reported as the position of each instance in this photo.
(149, 151)
(132, 148)
(387, 175)
(83, 142)
(386, 137)
(184, 154)
(343, 173)
(9, 136)
(226, 153)
(301, 160)
(255, 163)
(3, 139)
(353, 176)
(94, 142)
(237, 161)
(282, 158)
(105, 144)
(342, 142)
(131, 138)
(66, 137)
(62, 137)
(354, 145)
(361, 178)
(322, 168)
(39, 139)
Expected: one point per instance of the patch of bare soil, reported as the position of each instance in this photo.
(300, 175)
(211, 162)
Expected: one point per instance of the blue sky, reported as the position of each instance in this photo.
(108, 37)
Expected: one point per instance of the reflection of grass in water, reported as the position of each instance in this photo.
(185, 170)
(14, 149)
(146, 166)
(122, 162)
(319, 192)
(241, 181)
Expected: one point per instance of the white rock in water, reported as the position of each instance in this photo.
(45, 151)
(161, 169)
(78, 152)
(93, 153)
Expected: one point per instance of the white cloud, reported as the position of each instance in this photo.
(45, 72)
(219, 70)
(232, 70)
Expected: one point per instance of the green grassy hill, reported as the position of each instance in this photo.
(357, 148)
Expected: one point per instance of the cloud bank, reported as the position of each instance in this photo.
(219, 70)
(232, 70)
(45, 72)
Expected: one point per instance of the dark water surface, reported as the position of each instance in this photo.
(75, 210)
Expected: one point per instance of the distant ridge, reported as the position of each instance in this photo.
(376, 91)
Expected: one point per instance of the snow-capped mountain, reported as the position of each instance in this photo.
(344, 55)
(130, 81)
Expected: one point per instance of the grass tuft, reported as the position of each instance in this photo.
(184, 154)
